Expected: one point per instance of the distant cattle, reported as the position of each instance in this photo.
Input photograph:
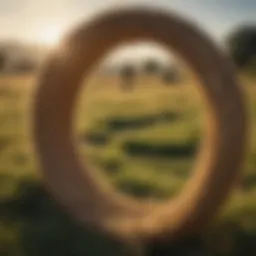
(127, 74)
(170, 76)
(151, 67)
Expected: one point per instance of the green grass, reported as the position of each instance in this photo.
(145, 141)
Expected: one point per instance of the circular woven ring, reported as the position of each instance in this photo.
(88, 197)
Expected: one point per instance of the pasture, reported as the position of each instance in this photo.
(144, 140)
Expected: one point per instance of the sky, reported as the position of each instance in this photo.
(43, 21)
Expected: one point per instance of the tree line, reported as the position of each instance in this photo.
(241, 47)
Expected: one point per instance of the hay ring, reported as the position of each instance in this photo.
(90, 199)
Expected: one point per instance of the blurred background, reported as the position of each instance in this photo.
(139, 120)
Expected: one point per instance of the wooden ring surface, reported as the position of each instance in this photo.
(89, 198)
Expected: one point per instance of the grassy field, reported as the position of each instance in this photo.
(144, 140)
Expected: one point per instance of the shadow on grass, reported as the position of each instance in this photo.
(249, 181)
(44, 229)
(140, 189)
(138, 148)
(31, 223)
(116, 124)
(188, 247)
(111, 166)
(96, 138)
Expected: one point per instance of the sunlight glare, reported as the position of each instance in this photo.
(51, 36)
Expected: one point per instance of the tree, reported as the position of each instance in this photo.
(24, 66)
(242, 46)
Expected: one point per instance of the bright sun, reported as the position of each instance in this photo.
(51, 36)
